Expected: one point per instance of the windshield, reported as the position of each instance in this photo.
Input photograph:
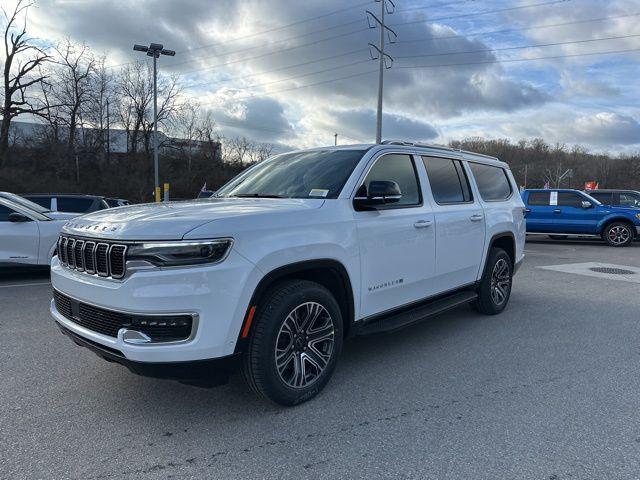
(313, 174)
(24, 202)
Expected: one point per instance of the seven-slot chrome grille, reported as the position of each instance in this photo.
(95, 257)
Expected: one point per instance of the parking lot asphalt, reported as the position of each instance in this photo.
(549, 389)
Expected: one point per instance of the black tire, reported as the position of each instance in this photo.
(487, 302)
(618, 234)
(558, 237)
(273, 329)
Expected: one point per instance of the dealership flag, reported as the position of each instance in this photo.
(591, 185)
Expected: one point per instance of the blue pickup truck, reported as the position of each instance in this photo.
(562, 212)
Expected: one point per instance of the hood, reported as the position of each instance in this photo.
(173, 220)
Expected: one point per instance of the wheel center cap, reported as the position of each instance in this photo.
(300, 343)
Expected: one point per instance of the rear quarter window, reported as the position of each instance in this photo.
(493, 183)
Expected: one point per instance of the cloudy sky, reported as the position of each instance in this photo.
(296, 72)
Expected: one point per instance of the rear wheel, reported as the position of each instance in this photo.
(618, 234)
(495, 286)
(295, 344)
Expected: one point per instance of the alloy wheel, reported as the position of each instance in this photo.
(619, 235)
(500, 282)
(304, 345)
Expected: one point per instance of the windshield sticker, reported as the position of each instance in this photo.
(318, 192)
(554, 198)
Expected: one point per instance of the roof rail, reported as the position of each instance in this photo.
(417, 144)
(435, 146)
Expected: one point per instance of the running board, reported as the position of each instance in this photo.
(398, 320)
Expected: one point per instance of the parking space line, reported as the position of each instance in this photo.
(24, 284)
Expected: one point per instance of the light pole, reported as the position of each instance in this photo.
(155, 50)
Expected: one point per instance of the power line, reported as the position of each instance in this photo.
(511, 30)
(502, 49)
(514, 60)
(486, 12)
(279, 69)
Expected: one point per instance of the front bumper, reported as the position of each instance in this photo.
(204, 373)
(218, 295)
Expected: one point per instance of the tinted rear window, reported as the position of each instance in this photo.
(539, 198)
(448, 180)
(570, 199)
(492, 182)
(76, 205)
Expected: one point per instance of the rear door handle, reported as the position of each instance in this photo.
(423, 223)
(476, 217)
(557, 210)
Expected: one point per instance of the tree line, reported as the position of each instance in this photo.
(536, 162)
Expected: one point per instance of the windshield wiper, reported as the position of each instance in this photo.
(257, 195)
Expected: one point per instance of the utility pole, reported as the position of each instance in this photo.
(108, 134)
(386, 7)
(335, 139)
(155, 50)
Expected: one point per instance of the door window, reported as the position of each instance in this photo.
(539, 198)
(570, 199)
(76, 205)
(448, 180)
(400, 169)
(492, 182)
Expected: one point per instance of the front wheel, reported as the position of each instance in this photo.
(295, 343)
(618, 234)
(495, 286)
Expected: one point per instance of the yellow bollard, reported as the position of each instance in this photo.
(158, 194)
(166, 192)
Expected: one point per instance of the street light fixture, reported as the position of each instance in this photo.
(155, 50)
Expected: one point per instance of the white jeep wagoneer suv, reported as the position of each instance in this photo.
(286, 260)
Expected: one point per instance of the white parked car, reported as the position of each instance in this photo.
(28, 232)
(286, 260)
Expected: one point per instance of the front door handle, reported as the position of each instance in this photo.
(476, 217)
(557, 210)
(423, 223)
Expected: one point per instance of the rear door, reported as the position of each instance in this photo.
(19, 241)
(460, 223)
(540, 213)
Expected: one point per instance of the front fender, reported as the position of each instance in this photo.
(617, 217)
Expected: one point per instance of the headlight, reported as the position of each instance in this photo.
(168, 254)
(638, 216)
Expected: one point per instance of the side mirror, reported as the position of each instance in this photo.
(18, 217)
(381, 192)
(586, 204)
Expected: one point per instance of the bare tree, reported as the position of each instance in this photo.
(135, 93)
(22, 62)
(186, 121)
(72, 91)
(236, 150)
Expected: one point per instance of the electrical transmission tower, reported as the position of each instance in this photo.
(377, 53)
